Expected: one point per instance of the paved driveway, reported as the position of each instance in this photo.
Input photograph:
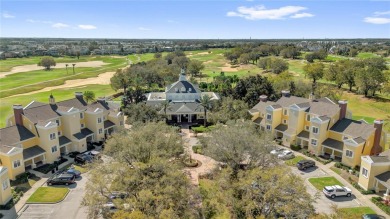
(324, 204)
(70, 208)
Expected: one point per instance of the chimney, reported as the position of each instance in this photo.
(78, 95)
(343, 108)
(52, 101)
(376, 148)
(263, 98)
(18, 112)
(285, 93)
(101, 100)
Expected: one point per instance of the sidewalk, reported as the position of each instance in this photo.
(365, 199)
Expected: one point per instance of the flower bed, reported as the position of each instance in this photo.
(378, 201)
(312, 155)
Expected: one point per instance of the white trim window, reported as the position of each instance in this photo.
(285, 112)
(100, 131)
(307, 128)
(269, 116)
(364, 172)
(5, 184)
(308, 117)
(81, 115)
(16, 163)
(268, 127)
(348, 153)
(313, 142)
(52, 136)
(58, 122)
(82, 125)
(99, 120)
(284, 121)
(315, 129)
(54, 149)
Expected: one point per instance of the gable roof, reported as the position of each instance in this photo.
(42, 112)
(260, 106)
(180, 84)
(288, 101)
(78, 103)
(14, 134)
(323, 108)
(353, 128)
(33, 104)
(186, 107)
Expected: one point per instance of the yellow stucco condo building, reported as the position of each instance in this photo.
(5, 190)
(39, 132)
(319, 125)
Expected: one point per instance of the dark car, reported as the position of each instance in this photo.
(372, 216)
(61, 179)
(83, 159)
(303, 164)
(74, 172)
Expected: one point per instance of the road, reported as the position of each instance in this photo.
(70, 208)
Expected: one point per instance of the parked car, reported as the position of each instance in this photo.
(93, 153)
(277, 151)
(73, 154)
(73, 171)
(336, 190)
(303, 164)
(372, 216)
(61, 179)
(286, 154)
(121, 195)
(83, 159)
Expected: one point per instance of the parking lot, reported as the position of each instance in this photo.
(324, 204)
(70, 208)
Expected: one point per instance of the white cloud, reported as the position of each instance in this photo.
(87, 26)
(60, 25)
(7, 15)
(378, 13)
(39, 21)
(377, 20)
(302, 15)
(144, 28)
(261, 13)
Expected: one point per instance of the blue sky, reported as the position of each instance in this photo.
(184, 19)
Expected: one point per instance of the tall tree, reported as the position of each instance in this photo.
(89, 96)
(73, 68)
(229, 109)
(315, 71)
(165, 105)
(66, 67)
(194, 67)
(206, 103)
(47, 62)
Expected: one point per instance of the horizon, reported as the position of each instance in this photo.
(182, 19)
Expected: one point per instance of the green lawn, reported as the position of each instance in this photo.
(59, 95)
(336, 170)
(365, 55)
(48, 195)
(294, 161)
(334, 58)
(321, 182)
(356, 212)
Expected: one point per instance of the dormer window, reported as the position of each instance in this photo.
(183, 89)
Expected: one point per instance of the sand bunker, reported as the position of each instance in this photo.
(103, 78)
(26, 68)
(227, 67)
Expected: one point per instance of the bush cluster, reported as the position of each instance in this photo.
(355, 171)
(361, 190)
(202, 129)
(378, 201)
(309, 154)
(198, 149)
(296, 147)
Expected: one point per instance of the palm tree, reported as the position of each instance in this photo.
(66, 66)
(166, 105)
(205, 102)
(89, 96)
(73, 67)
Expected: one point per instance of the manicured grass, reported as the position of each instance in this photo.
(336, 170)
(294, 161)
(80, 168)
(356, 212)
(334, 58)
(59, 95)
(365, 55)
(321, 182)
(48, 195)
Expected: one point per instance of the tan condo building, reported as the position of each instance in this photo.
(319, 125)
(39, 132)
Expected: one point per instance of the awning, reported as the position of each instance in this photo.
(86, 132)
(281, 128)
(384, 178)
(333, 144)
(258, 120)
(108, 124)
(33, 152)
(79, 136)
(64, 141)
(303, 134)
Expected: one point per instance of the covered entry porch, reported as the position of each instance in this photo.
(303, 139)
(279, 130)
(64, 143)
(382, 183)
(33, 157)
(333, 149)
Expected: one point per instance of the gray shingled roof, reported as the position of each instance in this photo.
(303, 105)
(78, 103)
(86, 131)
(276, 106)
(258, 120)
(359, 140)
(304, 134)
(281, 127)
(14, 134)
(34, 104)
(325, 100)
(380, 159)
(385, 178)
(64, 140)
(288, 101)
(108, 124)
(260, 106)
(353, 128)
(323, 108)
(331, 143)
(179, 84)
(190, 107)
(32, 152)
(79, 135)
(43, 112)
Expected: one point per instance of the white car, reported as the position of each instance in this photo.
(336, 190)
(286, 154)
(277, 151)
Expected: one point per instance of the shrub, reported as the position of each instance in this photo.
(202, 129)
(361, 190)
(296, 147)
(46, 168)
(197, 149)
(378, 201)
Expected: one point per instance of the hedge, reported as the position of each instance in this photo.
(361, 190)
(378, 201)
